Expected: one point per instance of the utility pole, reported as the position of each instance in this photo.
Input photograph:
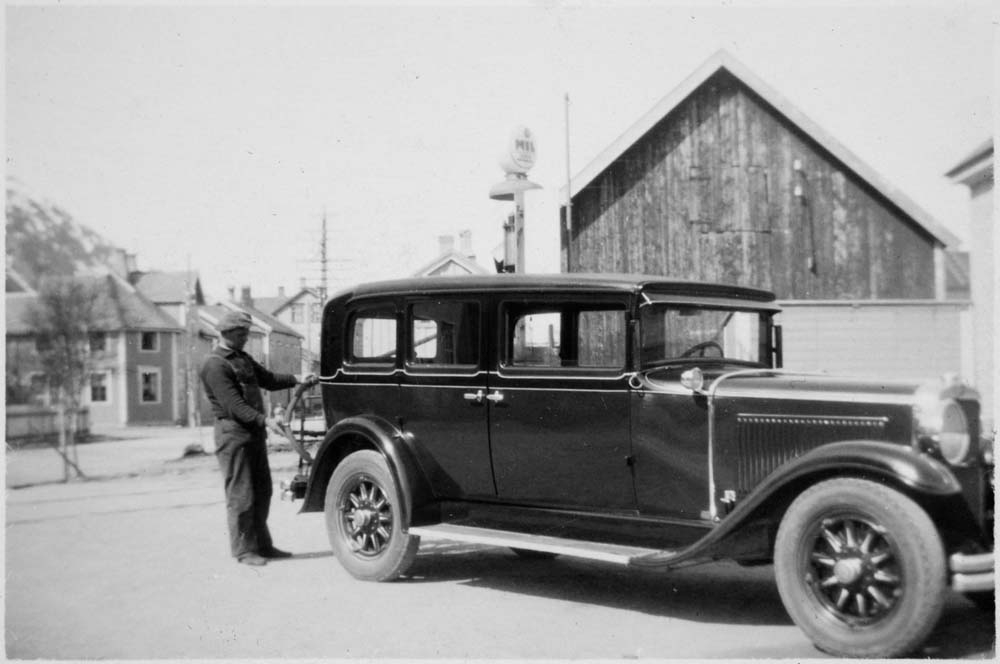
(323, 262)
(569, 198)
(190, 321)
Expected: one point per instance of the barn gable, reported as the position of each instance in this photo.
(725, 181)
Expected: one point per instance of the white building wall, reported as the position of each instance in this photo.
(887, 339)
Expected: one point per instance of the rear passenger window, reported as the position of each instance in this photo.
(372, 334)
(443, 333)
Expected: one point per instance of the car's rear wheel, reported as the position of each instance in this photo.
(860, 568)
(363, 512)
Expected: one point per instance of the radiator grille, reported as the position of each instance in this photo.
(765, 442)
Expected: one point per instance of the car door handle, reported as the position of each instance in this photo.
(475, 397)
(496, 397)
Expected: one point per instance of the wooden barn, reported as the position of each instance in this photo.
(724, 180)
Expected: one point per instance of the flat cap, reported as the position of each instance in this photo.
(234, 320)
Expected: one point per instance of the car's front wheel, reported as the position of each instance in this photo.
(363, 511)
(860, 568)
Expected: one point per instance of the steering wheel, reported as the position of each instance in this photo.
(703, 346)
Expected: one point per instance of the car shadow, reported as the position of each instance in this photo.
(722, 592)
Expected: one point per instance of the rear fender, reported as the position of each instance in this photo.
(374, 433)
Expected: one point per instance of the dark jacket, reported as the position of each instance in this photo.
(232, 382)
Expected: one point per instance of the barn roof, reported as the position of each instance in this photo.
(722, 60)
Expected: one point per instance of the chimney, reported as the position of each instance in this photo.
(446, 243)
(302, 283)
(281, 291)
(245, 298)
(232, 293)
(130, 263)
(465, 244)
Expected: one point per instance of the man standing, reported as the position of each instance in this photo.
(232, 382)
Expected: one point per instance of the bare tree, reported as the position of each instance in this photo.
(64, 317)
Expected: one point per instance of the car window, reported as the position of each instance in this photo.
(671, 332)
(443, 334)
(566, 336)
(373, 335)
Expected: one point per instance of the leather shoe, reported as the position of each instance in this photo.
(252, 559)
(275, 552)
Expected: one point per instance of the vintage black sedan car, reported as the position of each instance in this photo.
(647, 421)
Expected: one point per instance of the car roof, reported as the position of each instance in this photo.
(554, 283)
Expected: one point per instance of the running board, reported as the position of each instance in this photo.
(612, 553)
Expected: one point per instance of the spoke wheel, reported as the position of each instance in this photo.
(363, 512)
(367, 517)
(853, 569)
(860, 568)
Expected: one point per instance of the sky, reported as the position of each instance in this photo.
(218, 137)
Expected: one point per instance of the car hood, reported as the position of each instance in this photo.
(736, 382)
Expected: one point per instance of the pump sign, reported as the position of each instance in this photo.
(520, 154)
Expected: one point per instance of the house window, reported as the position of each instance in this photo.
(149, 385)
(298, 312)
(316, 310)
(38, 389)
(99, 383)
(98, 342)
(150, 341)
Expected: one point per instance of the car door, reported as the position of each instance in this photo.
(443, 394)
(558, 403)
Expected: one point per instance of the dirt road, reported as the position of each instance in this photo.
(137, 567)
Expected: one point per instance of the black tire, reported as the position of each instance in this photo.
(363, 511)
(860, 568)
(529, 554)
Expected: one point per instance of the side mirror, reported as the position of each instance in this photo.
(693, 379)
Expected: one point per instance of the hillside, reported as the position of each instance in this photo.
(44, 240)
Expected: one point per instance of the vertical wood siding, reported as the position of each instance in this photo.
(709, 194)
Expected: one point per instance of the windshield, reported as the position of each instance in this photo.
(672, 332)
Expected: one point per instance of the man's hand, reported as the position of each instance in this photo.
(308, 379)
(274, 424)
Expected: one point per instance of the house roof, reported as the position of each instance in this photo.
(118, 306)
(289, 301)
(976, 161)
(15, 282)
(464, 262)
(722, 60)
(169, 287)
(261, 320)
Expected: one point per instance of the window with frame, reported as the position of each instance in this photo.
(566, 335)
(372, 336)
(149, 341)
(149, 385)
(298, 312)
(98, 342)
(443, 333)
(38, 389)
(315, 311)
(99, 383)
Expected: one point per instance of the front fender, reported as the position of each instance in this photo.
(366, 432)
(897, 464)
(916, 470)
